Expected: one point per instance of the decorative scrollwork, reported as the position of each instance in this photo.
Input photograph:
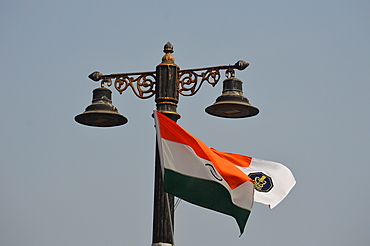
(142, 86)
(191, 81)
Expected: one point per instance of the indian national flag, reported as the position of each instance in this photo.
(202, 176)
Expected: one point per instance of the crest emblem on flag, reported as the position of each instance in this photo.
(262, 182)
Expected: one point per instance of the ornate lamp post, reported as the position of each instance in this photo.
(166, 83)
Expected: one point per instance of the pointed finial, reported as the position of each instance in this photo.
(168, 49)
(241, 65)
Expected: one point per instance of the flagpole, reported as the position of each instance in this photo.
(166, 98)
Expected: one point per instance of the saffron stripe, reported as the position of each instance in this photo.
(172, 132)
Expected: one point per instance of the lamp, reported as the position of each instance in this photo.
(232, 103)
(101, 113)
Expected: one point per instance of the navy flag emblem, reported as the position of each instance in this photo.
(262, 182)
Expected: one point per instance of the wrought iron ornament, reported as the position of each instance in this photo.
(142, 86)
(189, 81)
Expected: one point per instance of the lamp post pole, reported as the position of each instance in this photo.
(166, 83)
(166, 98)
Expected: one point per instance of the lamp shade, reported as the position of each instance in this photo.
(101, 112)
(232, 103)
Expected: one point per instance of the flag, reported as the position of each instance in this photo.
(273, 181)
(200, 175)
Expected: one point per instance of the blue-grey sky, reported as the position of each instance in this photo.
(62, 183)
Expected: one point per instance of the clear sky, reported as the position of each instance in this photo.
(62, 183)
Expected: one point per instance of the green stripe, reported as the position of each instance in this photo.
(204, 193)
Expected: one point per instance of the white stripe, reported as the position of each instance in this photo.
(242, 195)
(181, 158)
(159, 137)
